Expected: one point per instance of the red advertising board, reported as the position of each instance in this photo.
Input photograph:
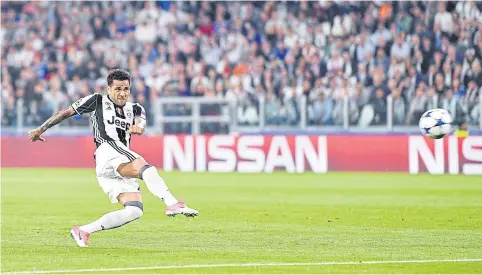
(248, 153)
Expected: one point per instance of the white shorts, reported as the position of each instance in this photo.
(108, 157)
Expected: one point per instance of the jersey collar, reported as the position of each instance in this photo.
(108, 97)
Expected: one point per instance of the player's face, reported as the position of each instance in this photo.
(119, 91)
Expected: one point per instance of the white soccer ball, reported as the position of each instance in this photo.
(435, 123)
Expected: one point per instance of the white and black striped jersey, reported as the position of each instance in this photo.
(110, 122)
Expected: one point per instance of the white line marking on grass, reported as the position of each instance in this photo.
(242, 265)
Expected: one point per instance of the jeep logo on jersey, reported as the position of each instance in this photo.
(118, 122)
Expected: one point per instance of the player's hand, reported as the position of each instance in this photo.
(136, 130)
(35, 135)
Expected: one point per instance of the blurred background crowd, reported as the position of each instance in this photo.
(421, 54)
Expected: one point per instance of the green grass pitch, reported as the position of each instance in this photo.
(249, 218)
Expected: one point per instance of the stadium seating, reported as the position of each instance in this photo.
(418, 54)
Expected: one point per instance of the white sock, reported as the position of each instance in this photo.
(157, 186)
(113, 219)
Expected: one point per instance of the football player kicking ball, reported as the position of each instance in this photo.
(114, 120)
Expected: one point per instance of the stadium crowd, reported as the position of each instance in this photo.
(422, 54)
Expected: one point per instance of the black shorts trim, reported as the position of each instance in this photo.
(130, 156)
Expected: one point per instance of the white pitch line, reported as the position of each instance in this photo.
(242, 265)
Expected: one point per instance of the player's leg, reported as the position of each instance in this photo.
(133, 210)
(156, 185)
(119, 190)
(124, 191)
(139, 168)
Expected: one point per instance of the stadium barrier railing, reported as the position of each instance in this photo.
(204, 115)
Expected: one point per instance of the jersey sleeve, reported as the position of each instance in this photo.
(139, 111)
(86, 104)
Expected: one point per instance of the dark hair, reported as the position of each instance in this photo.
(118, 74)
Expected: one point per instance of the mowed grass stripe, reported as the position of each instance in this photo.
(255, 218)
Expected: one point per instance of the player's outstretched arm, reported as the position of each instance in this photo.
(82, 106)
(58, 117)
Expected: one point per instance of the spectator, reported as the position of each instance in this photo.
(470, 101)
(273, 109)
(447, 73)
(451, 104)
(364, 46)
(399, 109)
(417, 106)
(440, 87)
(400, 49)
(9, 113)
(444, 19)
(380, 107)
(423, 55)
(432, 100)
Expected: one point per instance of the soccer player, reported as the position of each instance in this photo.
(114, 120)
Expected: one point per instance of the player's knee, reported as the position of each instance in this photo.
(144, 168)
(135, 208)
(139, 162)
(138, 166)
